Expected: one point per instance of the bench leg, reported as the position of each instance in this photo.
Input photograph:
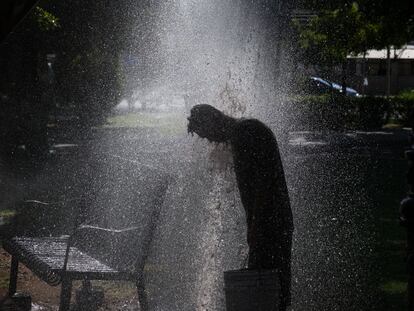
(14, 269)
(142, 296)
(65, 294)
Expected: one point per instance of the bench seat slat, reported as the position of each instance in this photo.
(45, 256)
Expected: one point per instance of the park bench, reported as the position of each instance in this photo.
(109, 244)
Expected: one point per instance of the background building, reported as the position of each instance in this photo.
(373, 69)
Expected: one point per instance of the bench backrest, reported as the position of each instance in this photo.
(120, 211)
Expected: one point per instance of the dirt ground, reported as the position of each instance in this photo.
(118, 295)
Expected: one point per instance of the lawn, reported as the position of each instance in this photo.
(390, 248)
(168, 123)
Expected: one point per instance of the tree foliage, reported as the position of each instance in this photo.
(334, 34)
(60, 61)
(45, 20)
(343, 27)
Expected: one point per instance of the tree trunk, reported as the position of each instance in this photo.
(388, 93)
(364, 74)
(344, 74)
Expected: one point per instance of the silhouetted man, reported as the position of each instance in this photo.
(262, 188)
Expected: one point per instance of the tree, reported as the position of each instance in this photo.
(343, 27)
(395, 28)
(86, 45)
(333, 35)
(24, 117)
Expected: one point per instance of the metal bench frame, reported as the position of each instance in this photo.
(64, 273)
(79, 267)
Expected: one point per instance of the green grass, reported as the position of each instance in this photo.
(407, 94)
(390, 249)
(392, 126)
(172, 123)
(393, 281)
(394, 287)
(7, 213)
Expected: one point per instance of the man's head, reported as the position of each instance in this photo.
(209, 122)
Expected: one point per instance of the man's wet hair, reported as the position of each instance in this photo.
(209, 122)
(204, 114)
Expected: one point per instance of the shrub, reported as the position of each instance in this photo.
(367, 113)
(402, 108)
(336, 112)
(406, 95)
